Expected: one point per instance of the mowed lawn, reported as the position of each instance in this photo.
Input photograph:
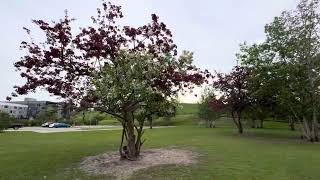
(271, 153)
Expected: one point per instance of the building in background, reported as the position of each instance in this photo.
(34, 107)
(18, 111)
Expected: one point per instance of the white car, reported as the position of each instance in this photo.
(52, 125)
(47, 124)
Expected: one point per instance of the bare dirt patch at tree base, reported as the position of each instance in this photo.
(111, 165)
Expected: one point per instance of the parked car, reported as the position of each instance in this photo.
(59, 125)
(15, 126)
(47, 124)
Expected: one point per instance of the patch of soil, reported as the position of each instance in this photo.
(110, 163)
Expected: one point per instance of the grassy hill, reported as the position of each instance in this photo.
(186, 115)
(185, 108)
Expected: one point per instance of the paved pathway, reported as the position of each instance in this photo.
(73, 129)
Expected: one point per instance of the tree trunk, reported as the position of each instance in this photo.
(306, 130)
(131, 141)
(261, 123)
(313, 87)
(208, 123)
(84, 118)
(212, 124)
(139, 141)
(150, 122)
(131, 148)
(234, 119)
(315, 126)
(291, 124)
(237, 121)
(122, 155)
(253, 125)
(240, 127)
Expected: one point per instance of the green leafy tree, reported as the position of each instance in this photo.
(206, 111)
(128, 89)
(50, 114)
(291, 56)
(5, 120)
(89, 117)
(156, 107)
(263, 82)
(294, 36)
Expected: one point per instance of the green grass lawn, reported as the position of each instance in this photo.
(271, 153)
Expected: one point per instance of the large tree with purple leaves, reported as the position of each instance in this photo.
(115, 69)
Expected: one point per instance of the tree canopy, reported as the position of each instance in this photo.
(286, 66)
(115, 69)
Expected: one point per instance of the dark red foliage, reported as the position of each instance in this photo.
(234, 88)
(218, 105)
(64, 63)
(53, 64)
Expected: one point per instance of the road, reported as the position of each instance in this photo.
(72, 129)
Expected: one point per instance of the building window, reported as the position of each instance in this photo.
(5, 106)
(20, 107)
(15, 107)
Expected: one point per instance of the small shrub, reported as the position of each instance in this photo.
(91, 118)
(5, 121)
(208, 110)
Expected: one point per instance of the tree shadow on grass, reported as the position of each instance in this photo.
(268, 135)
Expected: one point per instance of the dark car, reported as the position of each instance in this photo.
(15, 126)
(59, 125)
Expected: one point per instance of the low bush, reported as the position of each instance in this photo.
(91, 118)
(5, 121)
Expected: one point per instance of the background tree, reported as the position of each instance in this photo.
(209, 111)
(292, 51)
(233, 88)
(110, 67)
(295, 37)
(156, 107)
(5, 120)
(50, 114)
(263, 82)
(89, 117)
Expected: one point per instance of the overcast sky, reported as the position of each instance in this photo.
(212, 29)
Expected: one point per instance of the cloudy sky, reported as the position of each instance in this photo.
(212, 29)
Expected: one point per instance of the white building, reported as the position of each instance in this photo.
(18, 111)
